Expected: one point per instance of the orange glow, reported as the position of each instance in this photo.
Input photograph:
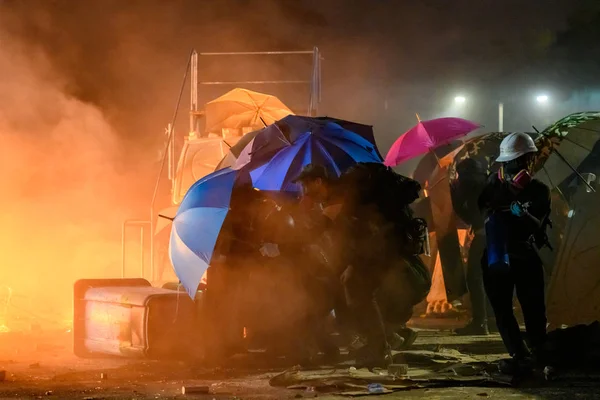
(436, 299)
(66, 188)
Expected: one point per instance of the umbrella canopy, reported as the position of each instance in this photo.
(572, 139)
(486, 148)
(426, 136)
(265, 144)
(440, 157)
(278, 135)
(197, 225)
(303, 124)
(302, 142)
(240, 108)
(235, 150)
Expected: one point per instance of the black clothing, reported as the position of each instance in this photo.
(311, 172)
(525, 272)
(465, 197)
(535, 198)
(527, 276)
(481, 308)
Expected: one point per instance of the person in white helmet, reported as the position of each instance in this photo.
(516, 209)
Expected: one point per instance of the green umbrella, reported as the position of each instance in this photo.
(486, 148)
(572, 140)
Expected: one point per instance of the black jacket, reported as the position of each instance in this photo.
(465, 197)
(535, 198)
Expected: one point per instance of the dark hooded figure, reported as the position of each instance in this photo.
(471, 181)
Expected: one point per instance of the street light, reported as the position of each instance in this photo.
(463, 99)
(542, 99)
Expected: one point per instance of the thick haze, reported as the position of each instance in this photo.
(87, 87)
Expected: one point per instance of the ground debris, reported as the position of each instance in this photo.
(195, 390)
(461, 369)
(355, 382)
(441, 355)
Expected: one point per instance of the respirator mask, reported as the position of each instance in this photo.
(516, 173)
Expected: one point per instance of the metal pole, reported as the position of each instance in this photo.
(193, 91)
(313, 77)
(317, 95)
(123, 247)
(162, 166)
(258, 53)
(233, 83)
(142, 253)
(500, 117)
(170, 153)
(319, 80)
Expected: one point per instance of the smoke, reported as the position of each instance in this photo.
(84, 96)
(62, 200)
(86, 88)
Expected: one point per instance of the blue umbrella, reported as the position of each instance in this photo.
(268, 141)
(303, 124)
(197, 225)
(263, 145)
(326, 143)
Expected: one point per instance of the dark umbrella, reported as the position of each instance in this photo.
(235, 150)
(306, 141)
(277, 135)
(485, 149)
(572, 140)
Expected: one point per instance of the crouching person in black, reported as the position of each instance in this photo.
(516, 209)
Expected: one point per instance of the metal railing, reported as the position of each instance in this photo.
(141, 226)
(194, 114)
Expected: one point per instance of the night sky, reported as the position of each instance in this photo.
(127, 57)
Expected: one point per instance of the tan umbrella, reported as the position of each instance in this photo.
(241, 108)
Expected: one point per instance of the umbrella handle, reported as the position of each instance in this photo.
(570, 166)
(574, 170)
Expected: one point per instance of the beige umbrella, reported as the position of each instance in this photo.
(241, 108)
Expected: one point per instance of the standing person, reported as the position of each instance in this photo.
(472, 179)
(517, 209)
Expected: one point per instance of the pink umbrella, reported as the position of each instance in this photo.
(426, 136)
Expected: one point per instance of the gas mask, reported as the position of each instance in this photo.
(520, 179)
(516, 172)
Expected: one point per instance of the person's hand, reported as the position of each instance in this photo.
(517, 209)
(345, 277)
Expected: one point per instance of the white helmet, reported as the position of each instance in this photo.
(515, 145)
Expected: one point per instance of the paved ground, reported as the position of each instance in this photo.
(42, 366)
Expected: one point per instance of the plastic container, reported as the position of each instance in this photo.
(497, 249)
(375, 388)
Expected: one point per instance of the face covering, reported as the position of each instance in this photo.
(516, 172)
(520, 180)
